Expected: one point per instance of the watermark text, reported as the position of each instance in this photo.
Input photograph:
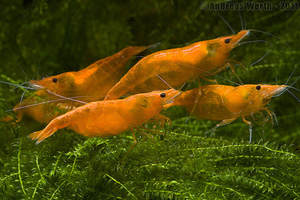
(250, 6)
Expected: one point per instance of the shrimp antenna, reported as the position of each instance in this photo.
(21, 85)
(291, 75)
(261, 58)
(294, 88)
(24, 72)
(225, 79)
(22, 96)
(34, 104)
(180, 92)
(294, 83)
(254, 30)
(164, 81)
(226, 22)
(245, 22)
(247, 42)
(170, 100)
(38, 69)
(241, 20)
(293, 95)
(289, 87)
(16, 85)
(211, 73)
(253, 41)
(182, 86)
(66, 97)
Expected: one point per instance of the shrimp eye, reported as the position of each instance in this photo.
(258, 87)
(163, 95)
(227, 40)
(54, 80)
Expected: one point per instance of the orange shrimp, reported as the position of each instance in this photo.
(177, 66)
(91, 83)
(227, 103)
(39, 109)
(109, 118)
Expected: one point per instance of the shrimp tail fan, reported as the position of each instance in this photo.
(43, 134)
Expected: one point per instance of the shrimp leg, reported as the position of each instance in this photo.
(150, 136)
(209, 80)
(160, 120)
(198, 97)
(270, 113)
(222, 123)
(250, 128)
(132, 146)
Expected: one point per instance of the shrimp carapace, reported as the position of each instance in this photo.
(112, 117)
(177, 66)
(93, 82)
(227, 103)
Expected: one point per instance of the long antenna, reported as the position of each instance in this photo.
(226, 22)
(164, 81)
(66, 97)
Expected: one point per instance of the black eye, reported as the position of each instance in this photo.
(163, 95)
(54, 80)
(258, 87)
(227, 40)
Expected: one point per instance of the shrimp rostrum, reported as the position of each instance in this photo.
(112, 117)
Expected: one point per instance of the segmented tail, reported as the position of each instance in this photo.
(43, 134)
(34, 135)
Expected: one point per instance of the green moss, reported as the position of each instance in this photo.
(45, 38)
